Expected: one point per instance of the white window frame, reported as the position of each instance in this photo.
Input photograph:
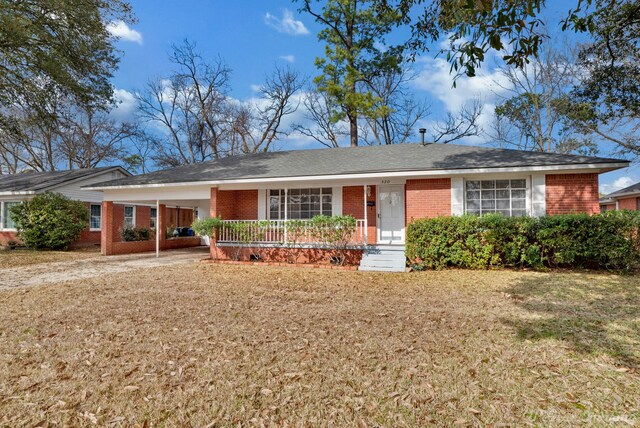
(95, 229)
(2, 217)
(528, 189)
(153, 221)
(133, 220)
(284, 193)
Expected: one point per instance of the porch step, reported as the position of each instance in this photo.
(387, 258)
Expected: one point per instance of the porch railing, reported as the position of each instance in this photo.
(277, 232)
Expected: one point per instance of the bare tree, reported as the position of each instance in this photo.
(319, 124)
(89, 137)
(461, 125)
(259, 123)
(530, 116)
(398, 110)
(189, 107)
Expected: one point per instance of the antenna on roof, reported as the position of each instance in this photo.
(422, 132)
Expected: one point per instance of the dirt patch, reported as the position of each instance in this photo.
(22, 257)
(216, 345)
(75, 266)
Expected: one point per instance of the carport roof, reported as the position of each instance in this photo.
(358, 160)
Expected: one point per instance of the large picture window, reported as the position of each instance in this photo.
(95, 220)
(302, 204)
(507, 197)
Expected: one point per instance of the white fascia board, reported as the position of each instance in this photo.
(599, 168)
(23, 193)
(624, 195)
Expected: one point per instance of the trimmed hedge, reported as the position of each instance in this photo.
(133, 234)
(606, 241)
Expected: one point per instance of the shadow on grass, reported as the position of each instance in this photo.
(591, 313)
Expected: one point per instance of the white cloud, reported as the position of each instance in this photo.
(287, 24)
(121, 30)
(125, 105)
(434, 77)
(288, 58)
(618, 183)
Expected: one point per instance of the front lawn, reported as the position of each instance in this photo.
(22, 257)
(215, 345)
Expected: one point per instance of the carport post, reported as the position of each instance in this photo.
(158, 228)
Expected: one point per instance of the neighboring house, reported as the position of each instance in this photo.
(624, 199)
(16, 188)
(383, 187)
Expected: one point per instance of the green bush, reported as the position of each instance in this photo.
(131, 234)
(206, 227)
(610, 241)
(50, 220)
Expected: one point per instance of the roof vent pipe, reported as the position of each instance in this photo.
(422, 132)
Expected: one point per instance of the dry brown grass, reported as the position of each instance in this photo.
(212, 345)
(22, 257)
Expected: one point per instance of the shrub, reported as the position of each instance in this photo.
(610, 240)
(50, 220)
(207, 227)
(334, 232)
(132, 234)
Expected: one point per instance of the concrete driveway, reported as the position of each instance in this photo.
(46, 273)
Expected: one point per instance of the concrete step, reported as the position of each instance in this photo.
(381, 269)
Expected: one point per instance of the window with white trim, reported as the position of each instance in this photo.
(153, 218)
(507, 197)
(95, 217)
(6, 222)
(129, 216)
(302, 204)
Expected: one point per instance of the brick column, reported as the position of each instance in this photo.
(213, 212)
(161, 225)
(106, 237)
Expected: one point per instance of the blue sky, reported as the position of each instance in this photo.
(252, 36)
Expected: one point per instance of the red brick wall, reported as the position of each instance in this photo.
(235, 204)
(427, 198)
(8, 236)
(280, 255)
(183, 219)
(628, 204)
(607, 207)
(149, 246)
(572, 193)
(353, 204)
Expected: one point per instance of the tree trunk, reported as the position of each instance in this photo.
(353, 129)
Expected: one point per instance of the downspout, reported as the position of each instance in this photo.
(366, 220)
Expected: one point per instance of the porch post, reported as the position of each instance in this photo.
(106, 235)
(366, 220)
(157, 228)
(286, 212)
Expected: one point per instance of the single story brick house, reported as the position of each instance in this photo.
(383, 187)
(623, 199)
(16, 188)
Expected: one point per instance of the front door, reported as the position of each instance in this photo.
(391, 214)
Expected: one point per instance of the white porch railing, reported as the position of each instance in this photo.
(275, 232)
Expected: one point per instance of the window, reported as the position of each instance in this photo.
(6, 220)
(154, 218)
(507, 197)
(129, 216)
(95, 219)
(302, 204)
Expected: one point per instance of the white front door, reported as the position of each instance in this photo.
(391, 214)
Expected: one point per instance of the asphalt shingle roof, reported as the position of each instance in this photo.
(355, 160)
(38, 181)
(631, 189)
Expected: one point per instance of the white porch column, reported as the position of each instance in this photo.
(366, 220)
(286, 212)
(158, 231)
